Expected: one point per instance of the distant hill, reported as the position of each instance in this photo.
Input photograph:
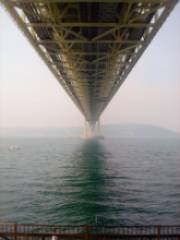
(138, 131)
(117, 131)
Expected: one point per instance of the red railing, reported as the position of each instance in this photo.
(48, 232)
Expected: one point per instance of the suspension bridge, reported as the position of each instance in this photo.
(90, 45)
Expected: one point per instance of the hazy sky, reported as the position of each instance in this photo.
(31, 97)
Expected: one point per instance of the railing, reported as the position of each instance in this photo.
(49, 232)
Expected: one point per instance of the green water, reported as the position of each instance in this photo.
(113, 181)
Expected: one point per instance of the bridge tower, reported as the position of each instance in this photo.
(92, 129)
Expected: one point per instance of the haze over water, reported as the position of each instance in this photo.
(113, 181)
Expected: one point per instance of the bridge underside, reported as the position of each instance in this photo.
(90, 46)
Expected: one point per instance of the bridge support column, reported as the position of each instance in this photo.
(91, 129)
(98, 128)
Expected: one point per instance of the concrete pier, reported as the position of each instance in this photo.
(92, 129)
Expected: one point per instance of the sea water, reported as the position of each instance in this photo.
(125, 181)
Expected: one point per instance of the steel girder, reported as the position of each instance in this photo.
(90, 45)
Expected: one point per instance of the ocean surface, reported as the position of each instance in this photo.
(72, 181)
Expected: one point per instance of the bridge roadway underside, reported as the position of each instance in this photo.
(90, 45)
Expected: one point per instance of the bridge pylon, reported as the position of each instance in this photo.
(92, 129)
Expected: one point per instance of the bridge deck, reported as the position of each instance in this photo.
(46, 232)
(90, 46)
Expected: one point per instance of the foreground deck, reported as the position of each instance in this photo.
(47, 232)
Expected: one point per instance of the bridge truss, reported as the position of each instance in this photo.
(90, 45)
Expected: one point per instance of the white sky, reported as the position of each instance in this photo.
(31, 97)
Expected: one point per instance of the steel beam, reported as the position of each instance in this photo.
(89, 25)
(88, 1)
